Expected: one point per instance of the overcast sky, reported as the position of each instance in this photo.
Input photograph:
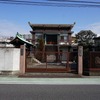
(15, 18)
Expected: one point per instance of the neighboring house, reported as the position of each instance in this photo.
(74, 44)
(27, 37)
(4, 42)
(56, 37)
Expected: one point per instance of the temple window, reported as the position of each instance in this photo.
(51, 39)
(38, 36)
(63, 37)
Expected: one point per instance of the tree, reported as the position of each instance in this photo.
(85, 37)
(41, 44)
(40, 50)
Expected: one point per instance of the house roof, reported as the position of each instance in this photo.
(19, 40)
(51, 26)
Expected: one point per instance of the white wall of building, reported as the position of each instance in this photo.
(9, 59)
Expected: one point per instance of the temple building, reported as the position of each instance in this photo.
(19, 40)
(52, 37)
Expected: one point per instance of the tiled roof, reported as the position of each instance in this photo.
(21, 40)
(52, 25)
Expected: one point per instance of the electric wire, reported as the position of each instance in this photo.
(76, 1)
(55, 4)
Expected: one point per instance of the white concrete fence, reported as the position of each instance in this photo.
(9, 59)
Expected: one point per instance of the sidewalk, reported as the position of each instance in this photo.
(91, 80)
(50, 75)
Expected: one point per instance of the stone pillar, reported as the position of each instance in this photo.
(80, 60)
(22, 59)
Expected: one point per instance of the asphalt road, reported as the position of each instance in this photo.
(49, 92)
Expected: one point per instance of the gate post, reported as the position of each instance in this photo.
(80, 60)
(22, 59)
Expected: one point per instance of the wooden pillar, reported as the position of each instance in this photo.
(33, 41)
(58, 50)
(80, 60)
(33, 38)
(69, 38)
(22, 59)
(67, 65)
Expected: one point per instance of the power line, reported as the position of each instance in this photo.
(76, 1)
(17, 2)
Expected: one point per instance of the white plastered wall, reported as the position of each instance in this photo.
(9, 59)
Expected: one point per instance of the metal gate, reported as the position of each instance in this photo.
(94, 65)
(91, 62)
(52, 62)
